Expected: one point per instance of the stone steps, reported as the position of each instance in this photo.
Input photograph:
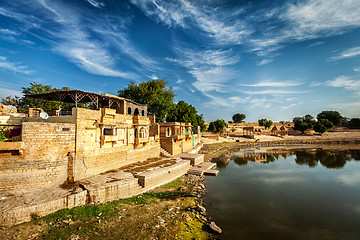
(164, 153)
(201, 168)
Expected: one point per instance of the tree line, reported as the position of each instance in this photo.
(324, 121)
(154, 93)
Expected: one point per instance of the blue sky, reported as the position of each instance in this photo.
(266, 59)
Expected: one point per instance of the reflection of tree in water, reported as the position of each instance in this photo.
(336, 160)
(269, 158)
(239, 160)
(326, 158)
(355, 154)
(305, 158)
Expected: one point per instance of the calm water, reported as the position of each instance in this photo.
(289, 195)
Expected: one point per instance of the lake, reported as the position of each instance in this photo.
(287, 194)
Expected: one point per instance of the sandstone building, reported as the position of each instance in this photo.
(77, 144)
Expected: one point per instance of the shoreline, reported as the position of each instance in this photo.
(177, 207)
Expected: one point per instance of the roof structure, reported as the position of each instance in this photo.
(78, 96)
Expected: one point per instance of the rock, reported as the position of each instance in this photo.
(74, 237)
(214, 228)
(200, 209)
(183, 189)
(202, 186)
(161, 221)
(186, 217)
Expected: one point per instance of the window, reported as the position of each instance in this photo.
(65, 129)
(142, 113)
(129, 111)
(186, 132)
(136, 112)
(168, 132)
(109, 131)
(142, 132)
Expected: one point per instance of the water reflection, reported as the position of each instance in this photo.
(326, 158)
(311, 158)
(287, 194)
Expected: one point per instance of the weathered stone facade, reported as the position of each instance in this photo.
(178, 137)
(40, 159)
(74, 147)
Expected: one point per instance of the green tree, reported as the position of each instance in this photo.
(354, 123)
(155, 93)
(2, 134)
(264, 122)
(323, 125)
(13, 101)
(38, 88)
(333, 116)
(200, 122)
(217, 125)
(184, 112)
(303, 123)
(238, 117)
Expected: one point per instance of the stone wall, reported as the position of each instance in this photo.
(43, 158)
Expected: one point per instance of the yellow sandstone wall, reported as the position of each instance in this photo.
(117, 151)
(44, 158)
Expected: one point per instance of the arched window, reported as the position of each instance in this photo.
(142, 113)
(142, 132)
(129, 110)
(136, 112)
(168, 132)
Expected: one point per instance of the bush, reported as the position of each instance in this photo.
(2, 134)
(354, 123)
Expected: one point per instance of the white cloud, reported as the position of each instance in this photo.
(210, 68)
(316, 84)
(304, 20)
(14, 67)
(318, 43)
(345, 82)
(81, 36)
(95, 3)
(222, 26)
(270, 83)
(179, 81)
(272, 92)
(313, 18)
(290, 106)
(8, 35)
(352, 52)
(265, 61)
(357, 69)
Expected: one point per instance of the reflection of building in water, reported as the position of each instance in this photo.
(253, 155)
(261, 155)
(277, 153)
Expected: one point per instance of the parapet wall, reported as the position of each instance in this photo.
(43, 159)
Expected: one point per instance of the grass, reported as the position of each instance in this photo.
(120, 219)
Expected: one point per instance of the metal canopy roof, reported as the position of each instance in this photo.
(77, 96)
